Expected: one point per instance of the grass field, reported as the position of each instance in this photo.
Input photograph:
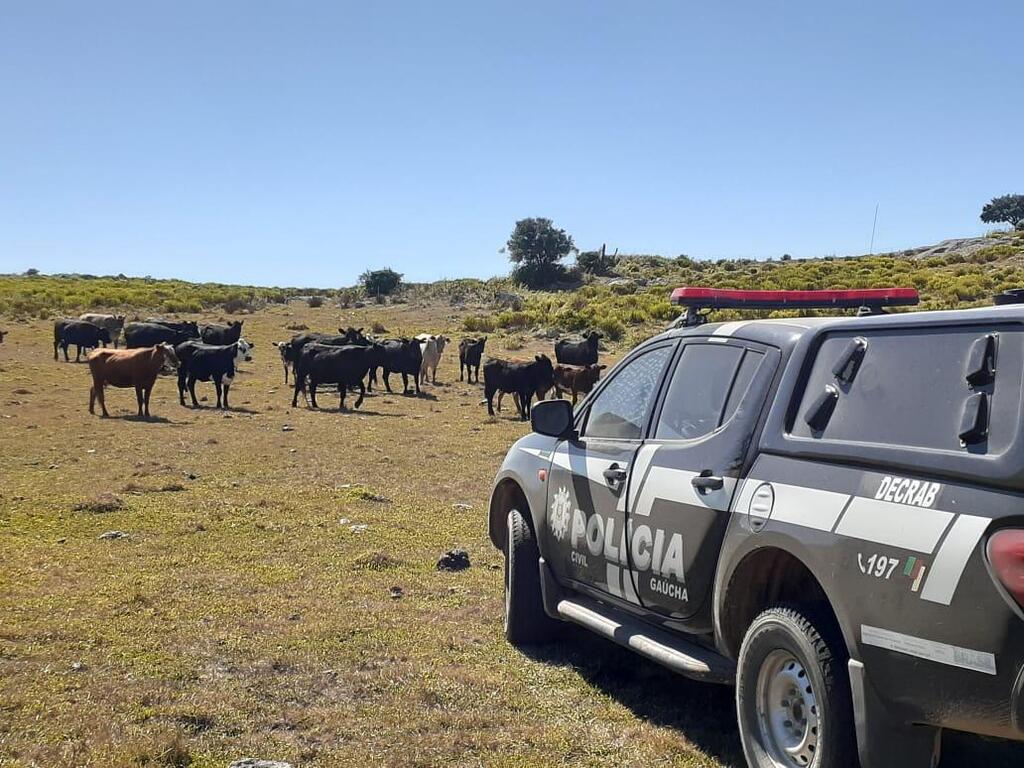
(250, 613)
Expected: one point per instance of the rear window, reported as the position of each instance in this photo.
(955, 389)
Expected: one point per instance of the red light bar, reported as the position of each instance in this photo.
(715, 298)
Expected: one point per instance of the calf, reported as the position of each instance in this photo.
(113, 323)
(576, 379)
(80, 333)
(325, 364)
(578, 352)
(128, 368)
(431, 348)
(187, 327)
(402, 356)
(221, 335)
(523, 379)
(470, 352)
(138, 335)
(209, 362)
(284, 349)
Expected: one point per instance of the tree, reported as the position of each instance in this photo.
(536, 246)
(380, 282)
(1008, 209)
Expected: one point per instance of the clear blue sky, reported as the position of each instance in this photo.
(299, 143)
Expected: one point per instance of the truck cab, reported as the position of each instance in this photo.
(824, 512)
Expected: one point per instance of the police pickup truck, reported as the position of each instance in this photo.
(827, 513)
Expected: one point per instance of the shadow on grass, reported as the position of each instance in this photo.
(705, 713)
(142, 419)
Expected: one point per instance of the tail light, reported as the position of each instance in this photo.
(1006, 553)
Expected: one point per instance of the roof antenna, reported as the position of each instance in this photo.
(871, 249)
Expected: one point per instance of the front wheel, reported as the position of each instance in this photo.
(792, 694)
(526, 622)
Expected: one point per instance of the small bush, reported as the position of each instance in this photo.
(315, 301)
(378, 327)
(512, 319)
(479, 324)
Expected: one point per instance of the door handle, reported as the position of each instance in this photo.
(705, 482)
(614, 475)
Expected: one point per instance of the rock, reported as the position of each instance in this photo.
(252, 762)
(287, 428)
(113, 535)
(396, 593)
(78, 667)
(358, 527)
(344, 521)
(453, 560)
(462, 505)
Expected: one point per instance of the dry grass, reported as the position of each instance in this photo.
(243, 617)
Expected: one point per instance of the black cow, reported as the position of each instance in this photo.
(402, 356)
(150, 334)
(470, 352)
(80, 333)
(291, 351)
(221, 335)
(2, 334)
(578, 352)
(325, 364)
(524, 379)
(209, 362)
(187, 327)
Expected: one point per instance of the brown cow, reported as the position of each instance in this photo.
(576, 379)
(129, 368)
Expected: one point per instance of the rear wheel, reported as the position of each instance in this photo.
(526, 622)
(792, 694)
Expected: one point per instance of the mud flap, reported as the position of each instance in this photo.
(882, 741)
(550, 590)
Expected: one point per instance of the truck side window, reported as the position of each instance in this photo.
(699, 397)
(621, 408)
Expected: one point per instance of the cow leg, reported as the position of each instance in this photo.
(489, 394)
(342, 389)
(501, 395)
(362, 394)
(139, 397)
(525, 397)
(227, 388)
(219, 387)
(181, 386)
(286, 374)
(146, 392)
(461, 364)
(387, 380)
(192, 390)
(416, 383)
(64, 346)
(433, 376)
(312, 393)
(478, 374)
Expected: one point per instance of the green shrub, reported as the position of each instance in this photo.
(479, 324)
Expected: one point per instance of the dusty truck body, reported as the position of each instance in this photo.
(827, 513)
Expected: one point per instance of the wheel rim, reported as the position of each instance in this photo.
(787, 710)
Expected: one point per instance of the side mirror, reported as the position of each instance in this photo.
(552, 418)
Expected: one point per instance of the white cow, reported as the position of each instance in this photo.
(431, 346)
(113, 323)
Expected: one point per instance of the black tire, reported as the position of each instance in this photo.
(526, 623)
(793, 665)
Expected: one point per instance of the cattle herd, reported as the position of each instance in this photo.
(348, 360)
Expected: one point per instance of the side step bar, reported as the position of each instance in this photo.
(669, 650)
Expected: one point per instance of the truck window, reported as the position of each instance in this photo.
(917, 388)
(621, 408)
(708, 382)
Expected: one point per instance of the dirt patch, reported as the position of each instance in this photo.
(105, 502)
